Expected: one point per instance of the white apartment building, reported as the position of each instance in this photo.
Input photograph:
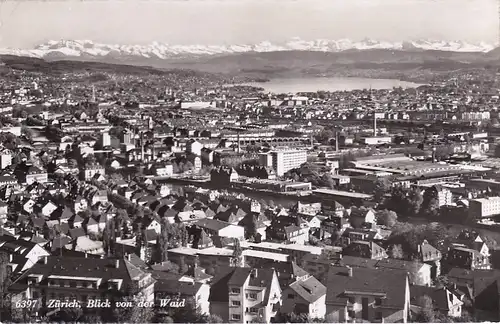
(282, 161)
(484, 207)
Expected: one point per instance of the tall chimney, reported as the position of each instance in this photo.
(374, 124)
(349, 271)
(45, 260)
(336, 141)
(117, 263)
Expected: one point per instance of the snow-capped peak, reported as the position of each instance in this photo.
(88, 48)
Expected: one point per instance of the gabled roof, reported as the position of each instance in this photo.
(88, 267)
(390, 285)
(212, 224)
(309, 289)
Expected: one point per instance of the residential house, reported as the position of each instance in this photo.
(462, 257)
(361, 294)
(195, 292)
(288, 229)
(305, 296)
(445, 301)
(60, 277)
(35, 174)
(419, 273)
(22, 254)
(223, 176)
(90, 170)
(220, 228)
(428, 254)
(363, 249)
(362, 217)
(241, 295)
(162, 169)
(482, 287)
(351, 235)
(443, 195)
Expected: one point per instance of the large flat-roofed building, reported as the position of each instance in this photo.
(399, 164)
(484, 207)
(283, 161)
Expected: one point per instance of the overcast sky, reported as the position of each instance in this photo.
(24, 24)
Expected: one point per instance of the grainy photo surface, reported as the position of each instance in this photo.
(250, 161)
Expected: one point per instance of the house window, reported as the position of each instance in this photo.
(253, 310)
(252, 296)
(378, 301)
(235, 290)
(378, 315)
(236, 317)
(236, 303)
(351, 314)
(72, 284)
(291, 296)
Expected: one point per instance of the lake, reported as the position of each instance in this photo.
(294, 85)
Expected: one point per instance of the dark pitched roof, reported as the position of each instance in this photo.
(76, 232)
(212, 224)
(310, 289)
(389, 285)
(74, 266)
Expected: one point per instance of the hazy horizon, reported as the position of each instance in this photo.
(24, 24)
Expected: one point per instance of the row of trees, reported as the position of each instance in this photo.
(409, 202)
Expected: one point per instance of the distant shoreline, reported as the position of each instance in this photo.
(326, 83)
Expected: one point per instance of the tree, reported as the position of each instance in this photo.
(109, 237)
(405, 201)
(175, 167)
(409, 236)
(183, 235)
(251, 228)
(236, 259)
(188, 166)
(414, 200)
(430, 203)
(396, 252)
(181, 167)
(27, 132)
(327, 181)
(5, 274)
(163, 239)
(133, 314)
(213, 318)
(183, 267)
(426, 313)
(382, 186)
(386, 217)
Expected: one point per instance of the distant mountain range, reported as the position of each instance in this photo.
(86, 49)
(413, 60)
